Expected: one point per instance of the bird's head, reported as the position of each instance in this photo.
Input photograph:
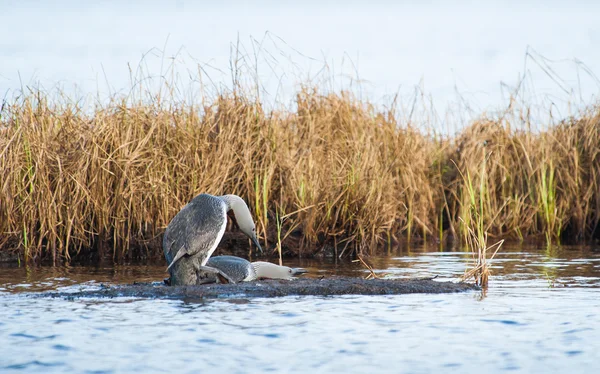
(272, 271)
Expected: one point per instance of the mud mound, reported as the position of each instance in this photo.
(276, 288)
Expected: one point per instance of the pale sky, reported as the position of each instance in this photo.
(477, 51)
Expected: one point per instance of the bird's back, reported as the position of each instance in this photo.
(237, 268)
(195, 228)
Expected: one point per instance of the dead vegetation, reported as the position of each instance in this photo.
(344, 174)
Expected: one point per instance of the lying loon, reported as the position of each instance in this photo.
(194, 233)
(242, 270)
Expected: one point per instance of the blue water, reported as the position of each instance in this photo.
(540, 314)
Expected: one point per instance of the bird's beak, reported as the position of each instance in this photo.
(255, 241)
(298, 271)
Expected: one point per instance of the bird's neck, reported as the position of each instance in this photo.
(238, 206)
(269, 270)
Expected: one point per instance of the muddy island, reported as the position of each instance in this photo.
(332, 286)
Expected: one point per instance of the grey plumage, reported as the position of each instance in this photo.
(238, 269)
(196, 230)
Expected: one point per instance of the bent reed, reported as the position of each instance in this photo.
(346, 176)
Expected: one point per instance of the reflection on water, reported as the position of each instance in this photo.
(541, 314)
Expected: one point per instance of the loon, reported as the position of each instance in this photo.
(242, 270)
(194, 233)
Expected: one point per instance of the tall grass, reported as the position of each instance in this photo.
(474, 227)
(356, 177)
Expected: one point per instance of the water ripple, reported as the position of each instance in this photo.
(533, 318)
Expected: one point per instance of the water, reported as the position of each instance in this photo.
(540, 314)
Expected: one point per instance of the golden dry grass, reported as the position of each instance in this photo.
(343, 174)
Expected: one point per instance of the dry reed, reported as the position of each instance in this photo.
(355, 177)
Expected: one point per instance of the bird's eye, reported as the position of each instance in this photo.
(290, 271)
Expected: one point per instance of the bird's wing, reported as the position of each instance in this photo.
(195, 230)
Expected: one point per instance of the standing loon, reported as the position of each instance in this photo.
(194, 233)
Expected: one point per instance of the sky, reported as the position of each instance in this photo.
(457, 56)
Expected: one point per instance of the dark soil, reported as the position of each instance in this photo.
(275, 288)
